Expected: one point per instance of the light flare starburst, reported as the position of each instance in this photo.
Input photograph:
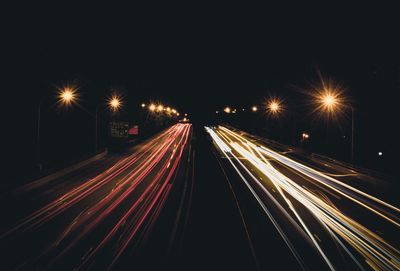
(114, 102)
(274, 106)
(329, 99)
(67, 95)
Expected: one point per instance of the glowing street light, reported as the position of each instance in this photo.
(274, 106)
(67, 95)
(227, 110)
(329, 100)
(143, 105)
(160, 107)
(152, 107)
(305, 136)
(254, 109)
(114, 103)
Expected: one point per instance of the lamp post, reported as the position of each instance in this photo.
(39, 116)
(66, 97)
(331, 102)
(114, 104)
(352, 134)
(274, 108)
(96, 127)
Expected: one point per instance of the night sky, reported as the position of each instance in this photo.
(197, 58)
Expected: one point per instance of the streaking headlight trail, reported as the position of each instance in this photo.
(114, 209)
(332, 216)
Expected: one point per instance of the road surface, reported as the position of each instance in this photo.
(221, 199)
(97, 218)
(319, 209)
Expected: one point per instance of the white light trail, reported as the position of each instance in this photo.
(247, 155)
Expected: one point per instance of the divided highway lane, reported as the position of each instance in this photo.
(98, 222)
(372, 182)
(325, 222)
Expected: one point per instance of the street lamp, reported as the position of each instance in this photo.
(274, 106)
(66, 96)
(152, 107)
(254, 109)
(227, 110)
(114, 104)
(38, 134)
(331, 101)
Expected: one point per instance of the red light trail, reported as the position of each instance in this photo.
(132, 192)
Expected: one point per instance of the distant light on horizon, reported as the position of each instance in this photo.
(305, 136)
(152, 107)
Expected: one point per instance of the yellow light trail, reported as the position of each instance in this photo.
(245, 155)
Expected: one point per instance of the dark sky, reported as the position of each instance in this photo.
(213, 49)
(201, 57)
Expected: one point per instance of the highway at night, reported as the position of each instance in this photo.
(200, 137)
